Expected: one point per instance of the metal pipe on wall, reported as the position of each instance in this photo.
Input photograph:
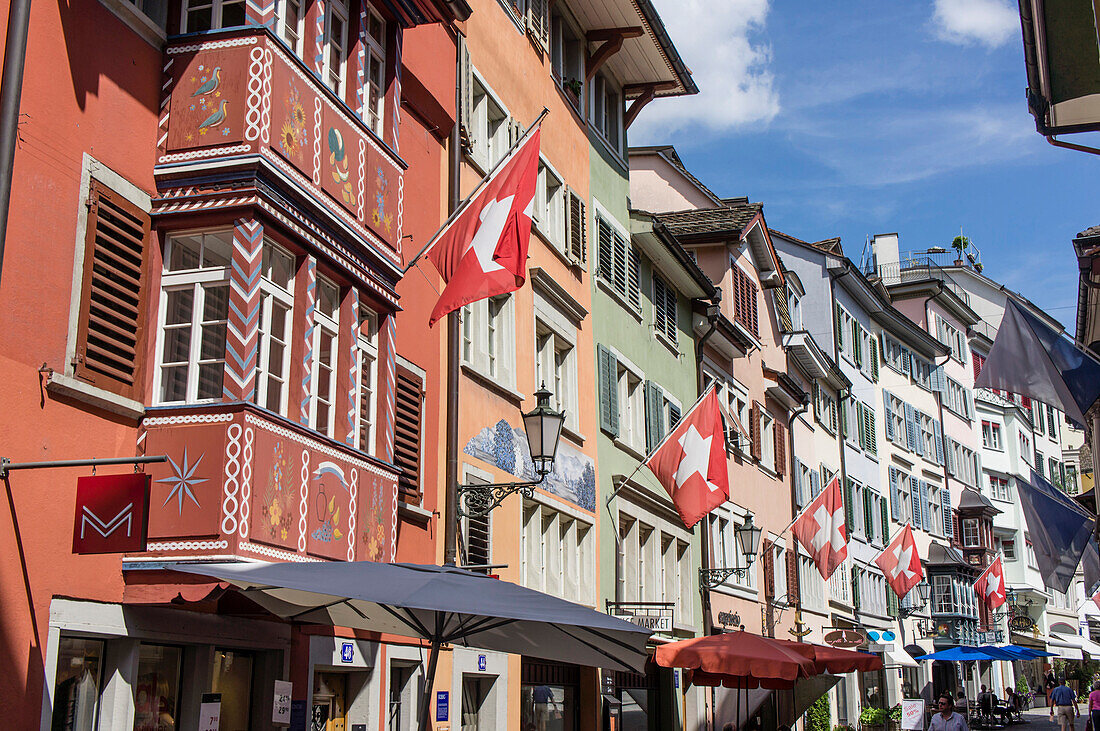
(11, 86)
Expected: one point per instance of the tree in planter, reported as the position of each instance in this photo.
(960, 244)
(817, 716)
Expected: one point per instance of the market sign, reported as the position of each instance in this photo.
(845, 637)
(1062, 59)
(112, 513)
(653, 616)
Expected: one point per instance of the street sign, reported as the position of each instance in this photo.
(652, 622)
(112, 513)
(653, 616)
(481, 663)
(347, 652)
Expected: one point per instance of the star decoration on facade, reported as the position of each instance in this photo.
(182, 480)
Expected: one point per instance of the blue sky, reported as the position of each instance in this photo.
(854, 118)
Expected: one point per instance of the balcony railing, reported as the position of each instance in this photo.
(240, 92)
(242, 481)
(915, 269)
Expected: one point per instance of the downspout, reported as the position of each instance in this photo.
(450, 523)
(15, 57)
(790, 471)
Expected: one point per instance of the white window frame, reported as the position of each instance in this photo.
(992, 435)
(488, 338)
(550, 214)
(794, 309)
(292, 34)
(198, 280)
(216, 12)
(366, 351)
(567, 57)
(374, 72)
(557, 552)
(556, 360)
(999, 488)
(935, 510)
(1006, 553)
(667, 329)
(767, 440)
(606, 95)
(971, 533)
(338, 67)
(271, 296)
(489, 121)
(325, 324)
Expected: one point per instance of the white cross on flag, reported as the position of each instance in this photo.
(990, 586)
(691, 462)
(821, 529)
(483, 252)
(900, 563)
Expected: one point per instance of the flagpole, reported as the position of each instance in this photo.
(481, 184)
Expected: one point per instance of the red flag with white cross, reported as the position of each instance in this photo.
(900, 563)
(691, 462)
(821, 529)
(483, 252)
(990, 586)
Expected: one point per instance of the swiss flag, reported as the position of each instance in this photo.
(691, 463)
(484, 251)
(990, 586)
(900, 562)
(821, 529)
(1096, 599)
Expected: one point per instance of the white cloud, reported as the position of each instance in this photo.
(988, 22)
(730, 67)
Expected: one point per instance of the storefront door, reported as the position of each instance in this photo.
(329, 708)
(475, 690)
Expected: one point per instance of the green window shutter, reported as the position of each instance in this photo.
(860, 423)
(885, 522)
(873, 344)
(844, 417)
(868, 514)
(608, 371)
(839, 328)
(857, 353)
(855, 587)
(654, 429)
(891, 602)
(869, 430)
(849, 507)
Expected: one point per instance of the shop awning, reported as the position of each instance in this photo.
(439, 604)
(896, 657)
(1082, 643)
(1066, 648)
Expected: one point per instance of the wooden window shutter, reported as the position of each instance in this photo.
(868, 514)
(465, 92)
(872, 344)
(578, 245)
(754, 429)
(538, 22)
(857, 344)
(654, 415)
(113, 298)
(769, 567)
(855, 587)
(780, 433)
(408, 433)
(885, 525)
(605, 265)
(608, 371)
(794, 593)
(849, 507)
(633, 288)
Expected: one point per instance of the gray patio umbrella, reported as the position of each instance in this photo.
(439, 604)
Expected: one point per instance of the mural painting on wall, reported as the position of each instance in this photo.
(293, 133)
(208, 100)
(376, 521)
(344, 163)
(505, 447)
(186, 490)
(278, 511)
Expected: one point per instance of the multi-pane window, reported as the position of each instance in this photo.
(935, 510)
(794, 309)
(811, 586)
(895, 417)
(567, 55)
(926, 425)
(921, 371)
(957, 399)
(289, 23)
(950, 336)
(1025, 447)
(664, 309)
(1008, 549)
(1054, 472)
(558, 554)
(1037, 416)
(825, 409)
(943, 595)
(1052, 425)
(896, 355)
(273, 353)
(489, 122)
(902, 504)
(779, 572)
(201, 15)
(375, 71)
(335, 53)
(970, 536)
(618, 262)
(1071, 479)
(767, 440)
(325, 350)
(556, 369)
(194, 310)
(840, 585)
(550, 206)
(367, 352)
(607, 111)
(991, 435)
(998, 487)
(487, 338)
(631, 408)
(961, 462)
(727, 550)
(745, 300)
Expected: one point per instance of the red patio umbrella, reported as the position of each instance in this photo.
(737, 660)
(834, 659)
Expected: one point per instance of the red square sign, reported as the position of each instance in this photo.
(112, 513)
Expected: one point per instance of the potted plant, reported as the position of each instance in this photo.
(573, 86)
(873, 718)
(960, 244)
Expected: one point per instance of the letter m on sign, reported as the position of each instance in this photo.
(112, 514)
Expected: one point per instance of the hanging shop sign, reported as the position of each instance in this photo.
(653, 616)
(1021, 623)
(729, 620)
(112, 513)
(845, 637)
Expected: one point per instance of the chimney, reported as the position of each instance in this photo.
(884, 249)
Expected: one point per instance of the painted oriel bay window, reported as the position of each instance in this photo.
(194, 310)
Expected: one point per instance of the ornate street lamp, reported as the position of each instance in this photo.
(748, 537)
(543, 427)
(923, 591)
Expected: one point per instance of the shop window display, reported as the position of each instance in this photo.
(76, 691)
(156, 701)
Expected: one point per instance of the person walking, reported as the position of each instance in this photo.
(1063, 707)
(947, 719)
(1094, 705)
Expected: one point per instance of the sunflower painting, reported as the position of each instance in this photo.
(292, 135)
(374, 525)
